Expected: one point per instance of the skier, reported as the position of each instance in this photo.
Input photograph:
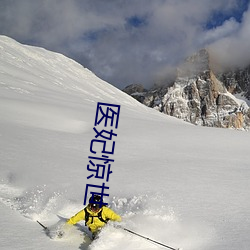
(95, 215)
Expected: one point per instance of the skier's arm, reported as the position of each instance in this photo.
(77, 217)
(112, 215)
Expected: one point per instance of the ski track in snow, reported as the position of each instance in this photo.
(143, 214)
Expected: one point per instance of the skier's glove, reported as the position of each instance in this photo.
(118, 226)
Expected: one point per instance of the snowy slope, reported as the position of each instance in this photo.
(179, 184)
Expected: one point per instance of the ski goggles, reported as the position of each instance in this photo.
(94, 207)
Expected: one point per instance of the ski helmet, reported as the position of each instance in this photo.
(96, 201)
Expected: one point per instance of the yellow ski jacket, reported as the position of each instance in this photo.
(94, 223)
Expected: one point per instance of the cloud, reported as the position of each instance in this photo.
(228, 28)
(233, 49)
(129, 41)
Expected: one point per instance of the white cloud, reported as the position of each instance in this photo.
(233, 50)
(228, 28)
(97, 32)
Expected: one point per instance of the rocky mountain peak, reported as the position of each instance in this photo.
(200, 96)
(196, 64)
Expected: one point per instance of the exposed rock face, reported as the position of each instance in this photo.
(199, 97)
(237, 81)
(137, 91)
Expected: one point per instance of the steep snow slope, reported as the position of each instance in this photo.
(182, 185)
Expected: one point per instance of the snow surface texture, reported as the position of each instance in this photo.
(182, 185)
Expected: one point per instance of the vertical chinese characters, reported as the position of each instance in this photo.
(102, 148)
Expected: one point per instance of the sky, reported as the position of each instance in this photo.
(132, 41)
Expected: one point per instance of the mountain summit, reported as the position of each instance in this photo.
(201, 96)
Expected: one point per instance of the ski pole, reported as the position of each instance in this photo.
(45, 228)
(149, 239)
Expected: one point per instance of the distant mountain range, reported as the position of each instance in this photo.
(201, 94)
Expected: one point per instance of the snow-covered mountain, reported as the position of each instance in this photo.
(237, 81)
(201, 96)
(183, 185)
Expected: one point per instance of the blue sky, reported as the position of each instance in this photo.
(131, 41)
(218, 17)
